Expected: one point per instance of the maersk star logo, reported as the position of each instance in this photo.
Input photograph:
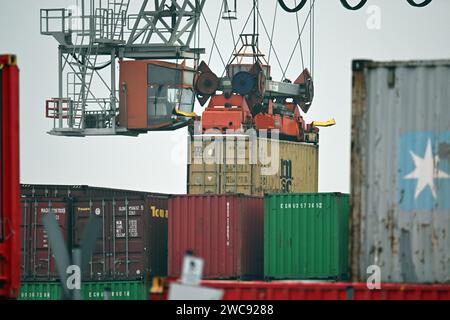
(426, 171)
(423, 171)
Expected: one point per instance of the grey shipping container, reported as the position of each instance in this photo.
(400, 218)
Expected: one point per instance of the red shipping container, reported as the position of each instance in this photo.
(37, 259)
(43, 263)
(225, 230)
(398, 291)
(300, 290)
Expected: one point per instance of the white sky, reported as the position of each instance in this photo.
(157, 161)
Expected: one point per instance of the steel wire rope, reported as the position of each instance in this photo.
(271, 36)
(232, 36)
(355, 7)
(268, 36)
(298, 30)
(214, 39)
(419, 5)
(299, 37)
(243, 28)
(297, 8)
(215, 34)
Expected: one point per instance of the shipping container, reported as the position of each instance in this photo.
(400, 220)
(225, 230)
(132, 241)
(300, 290)
(306, 236)
(72, 191)
(118, 290)
(244, 164)
(9, 178)
(37, 261)
(40, 291)
(133, 237)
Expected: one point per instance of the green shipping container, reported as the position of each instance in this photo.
(306, 236)
(120, 290)
(40, 291)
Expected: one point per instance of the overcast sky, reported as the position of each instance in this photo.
(146, 162)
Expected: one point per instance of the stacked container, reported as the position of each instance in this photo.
(132, 243)
(133, 239)
(119, 290)
(225, 230)
(222, 164)
(306, 236)
(400, 219)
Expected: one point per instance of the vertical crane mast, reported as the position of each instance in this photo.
(92, 36)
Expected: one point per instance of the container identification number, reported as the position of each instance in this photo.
(302, 205)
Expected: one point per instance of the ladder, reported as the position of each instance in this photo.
(119, 9)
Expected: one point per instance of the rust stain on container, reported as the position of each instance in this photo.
(225, 230)
(400, 179)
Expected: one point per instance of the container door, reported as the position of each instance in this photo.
(204, 169)
(25, 230)
(128, 258)
(42, 261)
(158, 236)
(236, 168)
(83, 209)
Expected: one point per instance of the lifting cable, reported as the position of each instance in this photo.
(214, 39)
(271, 36)
(299, 37)
(419, 5)
(294, 10)
(300, 47)
(363, 2)
(215, 35)
(235, 47)
(355, 7)
(95, 68)
(268, 36)
(232, 36)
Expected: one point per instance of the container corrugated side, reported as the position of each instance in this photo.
(225, 230)
(237, 164)
(306, 236)
(400, 180)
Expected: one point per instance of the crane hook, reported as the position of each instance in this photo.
(296, 9)
(419, 5)
(356, 7)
